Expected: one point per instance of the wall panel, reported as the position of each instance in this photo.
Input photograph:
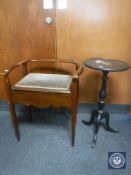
(23, 33)
(92, 28)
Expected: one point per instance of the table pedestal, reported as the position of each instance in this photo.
(99, 114)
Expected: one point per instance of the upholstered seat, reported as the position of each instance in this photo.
(44, 83)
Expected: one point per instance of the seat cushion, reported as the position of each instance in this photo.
(44, 83)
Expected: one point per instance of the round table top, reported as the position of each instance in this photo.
(108, 65)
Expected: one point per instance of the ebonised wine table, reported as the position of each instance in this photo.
(105, 66)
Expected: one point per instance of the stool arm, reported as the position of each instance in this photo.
(79, 68)
(78, 72)
(11, 68)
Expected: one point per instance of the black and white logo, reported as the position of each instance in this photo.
(116, 160)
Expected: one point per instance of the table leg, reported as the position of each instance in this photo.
(92, 119)
(107, 120)
(99, 114)
(97, 124)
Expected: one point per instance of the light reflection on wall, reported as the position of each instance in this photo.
(96, 12)
(47, 4)
(62, 4)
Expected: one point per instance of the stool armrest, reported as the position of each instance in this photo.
(7, 71)
(79, 68)
(78, 72)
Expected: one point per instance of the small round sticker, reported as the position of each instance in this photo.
(117, 160)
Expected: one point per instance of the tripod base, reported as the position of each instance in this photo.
(96, 116)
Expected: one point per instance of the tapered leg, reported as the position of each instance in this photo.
(29, 113)
(14, 119)
(74, 100)
(97, 124)
(73, 125)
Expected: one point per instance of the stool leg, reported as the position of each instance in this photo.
(14, 119)
(73, 126)
(29, 113)
(74, 100)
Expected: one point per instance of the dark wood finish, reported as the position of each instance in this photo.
(99, 114)
(74, 100)
(105, 66)
(43, 99)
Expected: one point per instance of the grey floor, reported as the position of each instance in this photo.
(45, 145)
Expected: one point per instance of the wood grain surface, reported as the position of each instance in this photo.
(93, 28)
(24, 34)
(87, 28)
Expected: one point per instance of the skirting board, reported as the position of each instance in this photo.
(82, 108)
